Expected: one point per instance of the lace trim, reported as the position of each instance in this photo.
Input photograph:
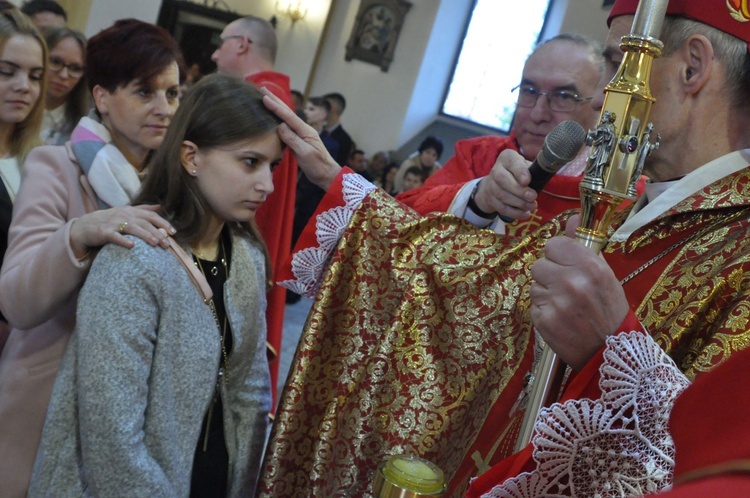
(618, 445)
(309, 264)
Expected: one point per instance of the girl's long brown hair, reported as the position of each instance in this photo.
(218, 111)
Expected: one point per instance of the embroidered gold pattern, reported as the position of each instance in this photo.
(420, 328)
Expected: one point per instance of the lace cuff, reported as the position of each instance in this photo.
(618, 445)
(316, 245)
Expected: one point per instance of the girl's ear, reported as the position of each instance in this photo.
(189, 157)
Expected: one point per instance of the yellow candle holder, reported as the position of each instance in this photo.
(408, 476)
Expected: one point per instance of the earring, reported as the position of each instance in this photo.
(194, 172)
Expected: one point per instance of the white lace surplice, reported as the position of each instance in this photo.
(618, 445)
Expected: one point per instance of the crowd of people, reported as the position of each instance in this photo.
(150, 228)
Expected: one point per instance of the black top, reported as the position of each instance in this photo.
(6, 210)
(211, 461)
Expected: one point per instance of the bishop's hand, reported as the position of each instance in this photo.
(576, 299)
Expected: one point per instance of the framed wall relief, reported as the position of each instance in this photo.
(376, 31)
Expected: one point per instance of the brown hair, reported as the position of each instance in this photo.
(219, 110)
(129, 50)
(26, 133)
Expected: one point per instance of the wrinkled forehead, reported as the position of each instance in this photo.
(561, 65)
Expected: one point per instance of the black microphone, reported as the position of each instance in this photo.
(560, 147)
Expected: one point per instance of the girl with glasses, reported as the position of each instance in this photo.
(66, 100)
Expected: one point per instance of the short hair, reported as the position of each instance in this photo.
(77, 104)
(129, 50)
(591, 45)
(25, 134)
(414, 170)
(728, 49)
(37, 6)
(218, 111)
(337, 100)
(431, 143)
(262, 35)
(357, 151)
(320, 102)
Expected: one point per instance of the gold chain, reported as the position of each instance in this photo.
(677, 244)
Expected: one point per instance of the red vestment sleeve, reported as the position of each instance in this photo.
(474, 158)
(334, 197)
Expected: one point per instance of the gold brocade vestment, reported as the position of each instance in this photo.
(419, 338)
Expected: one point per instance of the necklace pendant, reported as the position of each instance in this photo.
(221, 373)
(214, 271)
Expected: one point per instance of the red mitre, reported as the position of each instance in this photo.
(729, 16)
(710, 425)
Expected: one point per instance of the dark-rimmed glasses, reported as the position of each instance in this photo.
(558, 100)
(56, 64)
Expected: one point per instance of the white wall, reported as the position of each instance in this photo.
(437, 67)
(105, 12)
(377, 101)
(587, 17)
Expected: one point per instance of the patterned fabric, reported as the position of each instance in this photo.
(112, 177)
(419, 338)
(615, 446)
(408, 304)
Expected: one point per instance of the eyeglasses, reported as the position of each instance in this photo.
(558, 100)
(56, 64)
(222, 39)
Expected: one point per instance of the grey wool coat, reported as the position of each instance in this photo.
(139, 374)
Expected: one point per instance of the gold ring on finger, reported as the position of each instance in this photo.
(122, 227)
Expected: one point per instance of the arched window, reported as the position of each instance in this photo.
(499, 38)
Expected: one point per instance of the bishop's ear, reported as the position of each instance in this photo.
(698, 58)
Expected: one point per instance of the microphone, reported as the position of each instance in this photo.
(560, 147)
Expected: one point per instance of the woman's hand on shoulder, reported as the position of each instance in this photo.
(312, 156)
(111, 225)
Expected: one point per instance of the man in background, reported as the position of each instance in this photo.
(247, 49)
(358, 162)
(557, 84)
(334, 128)
(45, 13)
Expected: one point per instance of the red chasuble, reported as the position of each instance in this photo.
(274, 219)
(419, 338)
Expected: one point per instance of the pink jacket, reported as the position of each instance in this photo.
(39, 286)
